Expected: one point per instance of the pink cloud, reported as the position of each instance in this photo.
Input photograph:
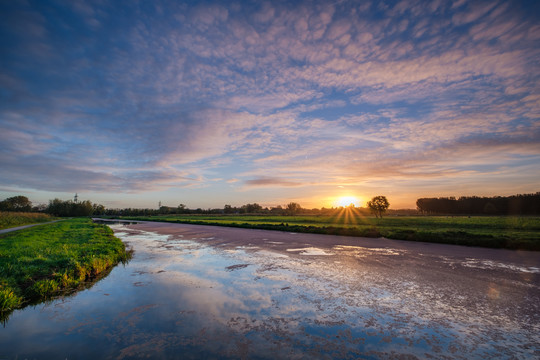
(266, 13)
(271, 182)
(473, 12)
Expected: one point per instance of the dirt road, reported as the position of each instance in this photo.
(4, 231)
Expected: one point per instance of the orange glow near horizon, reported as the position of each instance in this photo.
(349, 215)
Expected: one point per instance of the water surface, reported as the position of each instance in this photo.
(200, 292)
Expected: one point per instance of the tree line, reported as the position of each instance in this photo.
(292, 208)
(71, 208)
(68, 208)
(521, 204)
(377, 206)
(17, 203)
(55, 207)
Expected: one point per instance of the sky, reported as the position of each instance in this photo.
(207, 103)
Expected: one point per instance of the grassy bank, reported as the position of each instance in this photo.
(494, 232)
(13, 219)
(41, 262)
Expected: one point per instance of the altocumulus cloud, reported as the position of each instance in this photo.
(131, 97)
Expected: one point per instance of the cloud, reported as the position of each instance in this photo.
(171, 95)
(38, 172)
(473, 12)
(270, 182)
(210, 15)
(265, 14)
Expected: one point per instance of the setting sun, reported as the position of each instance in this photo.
(347, 200)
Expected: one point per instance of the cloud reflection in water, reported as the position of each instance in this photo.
(181, 298)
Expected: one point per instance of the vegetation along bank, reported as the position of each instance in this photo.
(14, 219)
(507, 232)
(42, 262)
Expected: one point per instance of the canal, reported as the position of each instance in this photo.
(196, 292)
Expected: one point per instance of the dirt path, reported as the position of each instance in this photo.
(4, 231)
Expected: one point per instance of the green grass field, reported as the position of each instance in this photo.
(495, 232)
(13, 219)
(41, 262)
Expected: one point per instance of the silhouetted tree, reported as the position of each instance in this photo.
(252, 208)
(16, 203)
(58, 207)
(378, 205)
(98, 209)
(293, 208)
(39, 208)
(278, 210)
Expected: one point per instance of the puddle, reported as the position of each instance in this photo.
(180, 296)
(364, 251)
(488, 264)
(311, 251)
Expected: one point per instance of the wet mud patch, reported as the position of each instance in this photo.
(236, 267)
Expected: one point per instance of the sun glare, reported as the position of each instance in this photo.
(347, 200)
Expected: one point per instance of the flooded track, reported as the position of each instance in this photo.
(210, 292)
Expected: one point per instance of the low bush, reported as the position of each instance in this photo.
(486, 231)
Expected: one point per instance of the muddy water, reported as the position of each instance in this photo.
(200, 292)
